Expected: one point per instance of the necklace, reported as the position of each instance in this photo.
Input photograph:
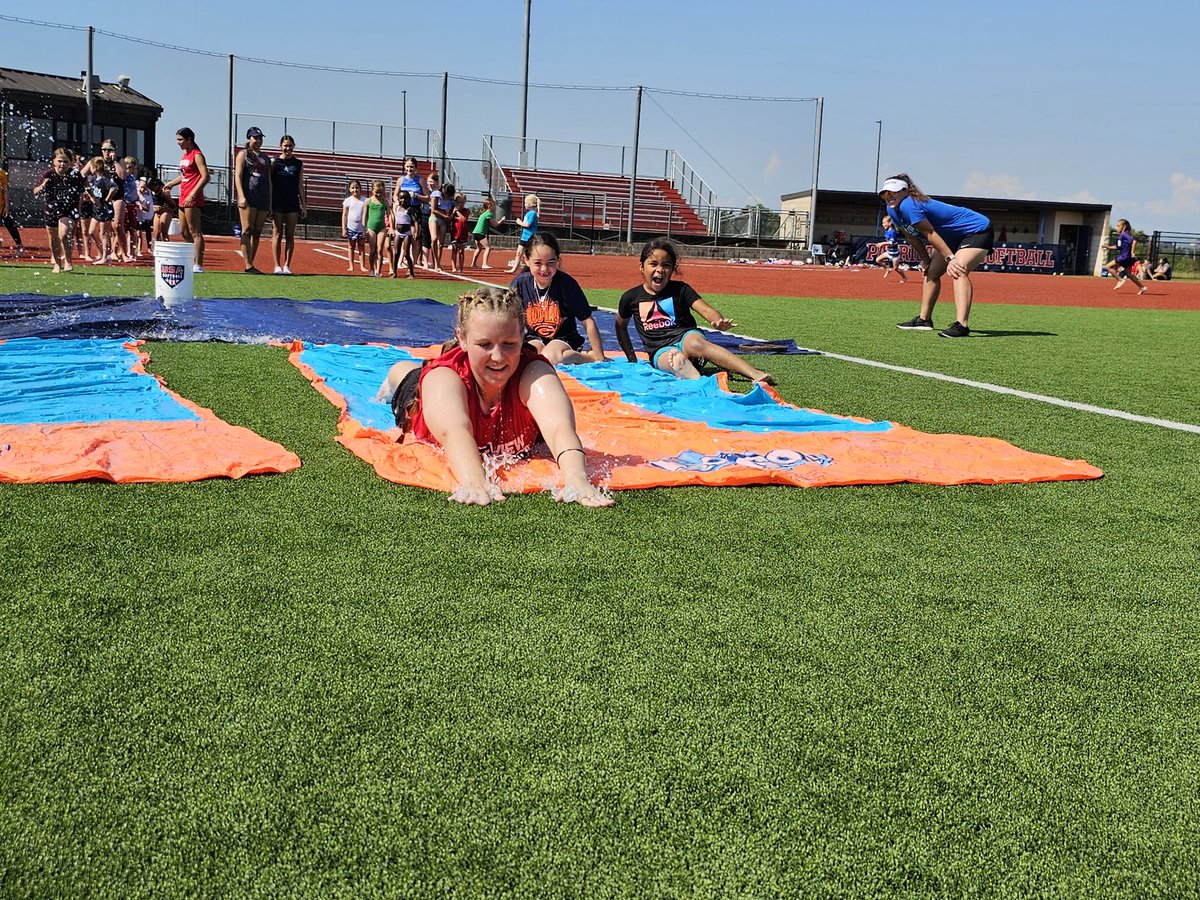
(488, 405)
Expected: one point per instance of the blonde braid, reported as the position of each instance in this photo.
(499, 301)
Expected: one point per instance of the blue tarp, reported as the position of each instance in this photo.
(702, 400)
(356, 373)
(411, 323)
(54, 381)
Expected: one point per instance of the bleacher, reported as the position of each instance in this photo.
(327, 174)
(596, 202)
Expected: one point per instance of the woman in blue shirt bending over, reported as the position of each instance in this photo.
(960, 239)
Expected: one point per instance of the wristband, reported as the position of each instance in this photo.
(949, 259)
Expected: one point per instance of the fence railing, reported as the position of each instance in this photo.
(580, 215)
(1181, 249)
(340, 136)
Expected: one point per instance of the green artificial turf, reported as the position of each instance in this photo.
(322, 684)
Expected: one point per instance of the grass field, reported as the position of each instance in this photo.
(322, 684)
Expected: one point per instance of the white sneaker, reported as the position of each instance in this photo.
(278, 270)
(198, 270)
(287, 270)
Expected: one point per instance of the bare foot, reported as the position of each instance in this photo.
(57, 268)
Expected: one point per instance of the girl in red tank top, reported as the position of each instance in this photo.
(490, 393)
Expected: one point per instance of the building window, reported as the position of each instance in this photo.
(16, 137)
(117, 134)
(41, 138)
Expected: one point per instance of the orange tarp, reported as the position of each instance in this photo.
(138, 451)
(628, 448)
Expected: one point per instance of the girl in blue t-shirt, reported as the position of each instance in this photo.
(662, 308)
(529, 227)
(890, 252)
(961, 240)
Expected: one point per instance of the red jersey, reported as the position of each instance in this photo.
(509, 428)
(189, 172)
(461, 224)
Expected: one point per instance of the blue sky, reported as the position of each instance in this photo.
(1048, 100)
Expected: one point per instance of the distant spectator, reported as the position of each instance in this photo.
(1122, 267)
(1161, 272)
(115, 169)
(354, 227)
(252, 179)
(192, 178)
(144, 236)
(411, 182)
(6, 218)
(529, 227)
(287, 203)
(483, 228)
(890, 252)
(164, 209)
(61, 186)
(129, 190)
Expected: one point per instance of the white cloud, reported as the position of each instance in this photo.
(772, 165)
(983, 184)
(1084, 196)
(1184, 197)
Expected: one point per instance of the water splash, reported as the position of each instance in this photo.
(568, 494)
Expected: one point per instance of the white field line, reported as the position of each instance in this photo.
(1025, 395)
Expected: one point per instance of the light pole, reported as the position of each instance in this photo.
(525, 89)
(404, 123)
(878, 148)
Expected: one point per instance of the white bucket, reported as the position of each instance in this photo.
(173, 272)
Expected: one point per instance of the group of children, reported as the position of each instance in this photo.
(418, 223)
(492, 390)
(101, 210)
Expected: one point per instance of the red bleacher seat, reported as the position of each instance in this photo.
(601, 201)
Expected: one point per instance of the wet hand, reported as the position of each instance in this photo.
(477, 494)
(584, 493)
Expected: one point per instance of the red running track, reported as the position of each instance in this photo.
(718, 277)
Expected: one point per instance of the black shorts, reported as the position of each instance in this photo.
(572, 339)
(525, 246)
(285, 206)
(404, 401)
(980, 240)
(425, 236)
